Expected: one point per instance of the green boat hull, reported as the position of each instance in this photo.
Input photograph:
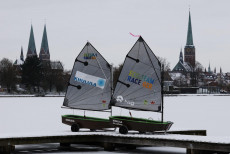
(86, 122)
(138, 124)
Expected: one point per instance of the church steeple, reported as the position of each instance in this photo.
(31, 47)
(22, 56)
(181, 56)
(44, 51)
(209, 68)
(189, 32)
(189, 49)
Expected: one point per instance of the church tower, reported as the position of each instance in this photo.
(31, 47)
(44, 54)
(189, 49)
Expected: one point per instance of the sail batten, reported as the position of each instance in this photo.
(90, 82)
(142, 72)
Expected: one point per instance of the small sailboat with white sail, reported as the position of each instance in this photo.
(89, 89)
(139, 87)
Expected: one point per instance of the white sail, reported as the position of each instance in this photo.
(139, 84)
(90, 82)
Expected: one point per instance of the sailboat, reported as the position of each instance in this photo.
(89, 88)
(139, 87)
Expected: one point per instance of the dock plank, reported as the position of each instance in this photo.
(169, 140)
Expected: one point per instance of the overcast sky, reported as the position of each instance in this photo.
(106, 24)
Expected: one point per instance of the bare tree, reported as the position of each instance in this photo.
(32, 73)
(7, 74)
(164, 62)
(199, 67)
(116, 73)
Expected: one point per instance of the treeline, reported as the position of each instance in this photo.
(33, 76)
(36, 76)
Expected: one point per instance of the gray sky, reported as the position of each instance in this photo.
(106, 24)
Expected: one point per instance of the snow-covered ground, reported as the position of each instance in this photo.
(33, 115)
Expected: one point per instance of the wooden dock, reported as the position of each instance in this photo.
(194, 143)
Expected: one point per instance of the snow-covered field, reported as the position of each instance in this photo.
(43, 114)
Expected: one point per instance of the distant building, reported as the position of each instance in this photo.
(44, 54)
(187, 64)
(182, 66)
(18, 67)
(183, 74)
(20, 61)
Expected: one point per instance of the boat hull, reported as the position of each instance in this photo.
(138, 124)
(86, 122)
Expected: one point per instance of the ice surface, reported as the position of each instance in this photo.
(42, 115)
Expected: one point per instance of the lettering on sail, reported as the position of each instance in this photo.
(140, 79)
(89, 80)
(120, 99)
(90, 55)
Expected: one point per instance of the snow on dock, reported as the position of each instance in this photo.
(176, 137)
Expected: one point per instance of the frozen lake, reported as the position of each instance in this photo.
(43, 114)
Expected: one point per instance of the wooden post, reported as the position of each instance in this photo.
(109, 146)
(65, 144)
(196, 151)
(7, 149)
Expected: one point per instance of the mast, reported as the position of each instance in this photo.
(111, 79)
(162, 93)
(111, 86)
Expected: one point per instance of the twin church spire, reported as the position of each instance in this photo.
(31, 51)
(44, 51)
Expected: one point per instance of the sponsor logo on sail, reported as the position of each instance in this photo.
(140, 79)
(146, 102)
(120, 99)
(103, 103)
(89, 80)
(90, 56)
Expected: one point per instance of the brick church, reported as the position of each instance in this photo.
(188, 63)
(44, 54)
